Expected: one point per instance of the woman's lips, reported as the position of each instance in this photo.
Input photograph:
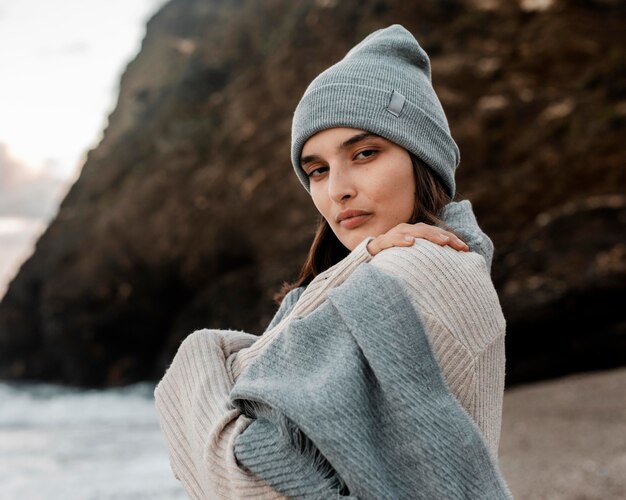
(353, 222)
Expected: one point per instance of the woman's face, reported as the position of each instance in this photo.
(361, 183)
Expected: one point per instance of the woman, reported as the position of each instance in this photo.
(382, 373)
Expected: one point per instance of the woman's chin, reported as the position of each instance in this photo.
(351, 241)
(350, 238)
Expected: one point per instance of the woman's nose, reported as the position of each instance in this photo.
(340, 185)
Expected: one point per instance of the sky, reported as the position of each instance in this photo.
(60, 68)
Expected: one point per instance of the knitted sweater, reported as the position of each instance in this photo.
(462, 318)
(349, 402)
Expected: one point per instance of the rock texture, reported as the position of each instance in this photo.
(188, 214)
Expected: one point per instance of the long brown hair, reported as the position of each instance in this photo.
(326, 249)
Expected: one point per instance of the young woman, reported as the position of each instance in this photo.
(392, 319)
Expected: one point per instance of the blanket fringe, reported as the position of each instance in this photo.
(297, 439)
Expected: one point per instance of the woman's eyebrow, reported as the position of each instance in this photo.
(353, 140)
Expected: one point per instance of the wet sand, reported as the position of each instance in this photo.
(565, 439)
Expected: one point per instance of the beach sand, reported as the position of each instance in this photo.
(566, 438)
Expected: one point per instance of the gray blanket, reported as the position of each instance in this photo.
(350, 402)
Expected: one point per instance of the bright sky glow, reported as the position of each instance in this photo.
(60, 67)
(61, 62)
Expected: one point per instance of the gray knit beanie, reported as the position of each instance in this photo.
(382, 85)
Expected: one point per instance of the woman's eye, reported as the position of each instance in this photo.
(367, 153)
(317, 171)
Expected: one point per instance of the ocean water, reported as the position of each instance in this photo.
(63, 443)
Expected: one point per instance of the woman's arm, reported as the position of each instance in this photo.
(200, 424)
(464, 322)
(357, 378)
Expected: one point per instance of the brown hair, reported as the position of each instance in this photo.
(326, 249)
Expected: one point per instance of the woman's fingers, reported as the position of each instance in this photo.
(404, 235)
(448, 238)
(388, 240)
(437, 235)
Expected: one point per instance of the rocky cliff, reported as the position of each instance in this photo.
(188, 215)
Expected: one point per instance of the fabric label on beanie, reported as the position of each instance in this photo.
(396, 103)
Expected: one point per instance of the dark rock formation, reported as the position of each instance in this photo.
(188, 215)
(562, 289)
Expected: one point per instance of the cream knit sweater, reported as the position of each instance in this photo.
(462, 318)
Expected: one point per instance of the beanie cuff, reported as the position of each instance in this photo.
(357, 106)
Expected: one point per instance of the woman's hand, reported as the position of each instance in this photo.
(403, 235)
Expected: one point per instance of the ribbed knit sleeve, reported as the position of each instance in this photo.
(200, 424)
(487, 405)
(196, 417)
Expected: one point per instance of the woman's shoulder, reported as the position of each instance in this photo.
(427, 259)
(454, 288)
